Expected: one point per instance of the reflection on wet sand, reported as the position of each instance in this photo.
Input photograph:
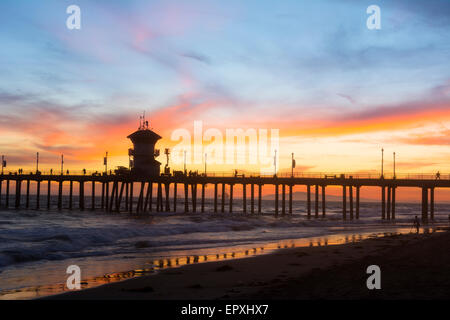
(225, 254)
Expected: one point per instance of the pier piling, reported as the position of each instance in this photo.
(110, 204)
(223, 197)
(276, 199)
(70, 194)
(203, 198)
(107, 195)
(186, 197)
(38, 194)
(308, 201)
(194, 197)
(159, 196)
(175, 190)
(432, 204)
(290, 199)
(388, 209)
(316, 202)
(244, 198)
(393, 204)
(215, 197)
(231, 198)
(252, 198)
(323, 202)
(344, 202)
(259, 197)
(119, 200)
(93, 194)
(130, 204)
(60, 188)
(357, 202)
(167, 189)
(18, 193)
(27, 200)
(7, 194)
(424, 205)
(350, 193)
(113, 195)
(81, 195)
(102, 205)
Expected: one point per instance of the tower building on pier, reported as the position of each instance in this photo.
(143, 153)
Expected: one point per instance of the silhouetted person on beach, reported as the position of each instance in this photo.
(416, 224)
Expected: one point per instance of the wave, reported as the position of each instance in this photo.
(27, 236)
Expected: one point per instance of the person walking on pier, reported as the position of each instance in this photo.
(438, 175)
(416, 224)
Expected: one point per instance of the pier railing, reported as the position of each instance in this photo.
(283, 174)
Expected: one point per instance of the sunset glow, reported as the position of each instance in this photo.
(337, 98)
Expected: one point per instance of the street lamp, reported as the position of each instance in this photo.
(382, 162)
(105, 162)
(37, 162)
(62, 164)
(3, 163)
(205, 162)
(292, 165)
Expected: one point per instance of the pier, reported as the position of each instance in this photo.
(118, 192)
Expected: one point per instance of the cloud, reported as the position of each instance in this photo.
(440, 139)
(198, 57)
(347, 97)
(415, 165)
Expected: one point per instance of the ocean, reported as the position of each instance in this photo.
(36, 247)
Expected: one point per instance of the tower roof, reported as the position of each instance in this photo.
(144, 135)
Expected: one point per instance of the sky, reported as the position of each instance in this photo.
(337, 91)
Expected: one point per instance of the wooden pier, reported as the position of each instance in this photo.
(117, 193)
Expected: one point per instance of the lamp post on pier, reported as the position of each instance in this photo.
(3, 163)
(292, 165)
(382, 162)
(62, 164)
(105, 162)
(37, 162)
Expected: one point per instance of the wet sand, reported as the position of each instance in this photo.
(413, 266)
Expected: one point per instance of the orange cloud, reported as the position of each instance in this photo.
(374, 120)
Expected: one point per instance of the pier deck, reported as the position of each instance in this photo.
(118, 189)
